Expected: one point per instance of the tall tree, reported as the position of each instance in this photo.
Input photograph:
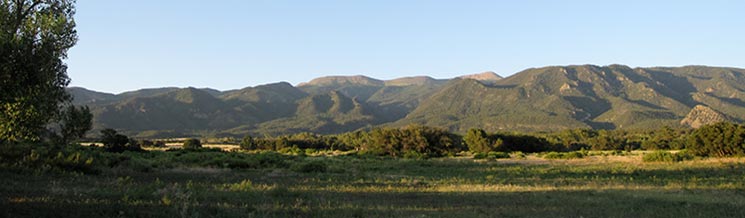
(34, 38)
(74, 122)
(478, 141)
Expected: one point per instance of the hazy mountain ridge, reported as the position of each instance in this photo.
(536, 99)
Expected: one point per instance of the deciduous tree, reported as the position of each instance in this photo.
(34, 38)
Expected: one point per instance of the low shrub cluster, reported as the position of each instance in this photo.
(491, 155)
(564, 155)
(666, 156)
(310, 167)
(46, 157)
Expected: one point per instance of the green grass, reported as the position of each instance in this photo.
(351, 186)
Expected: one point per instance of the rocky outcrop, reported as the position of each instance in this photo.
(702, 115)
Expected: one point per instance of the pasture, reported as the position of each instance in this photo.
(599, 185)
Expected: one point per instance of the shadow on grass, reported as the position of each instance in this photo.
(610, 203)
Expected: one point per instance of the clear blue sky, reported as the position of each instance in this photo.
(230, 44)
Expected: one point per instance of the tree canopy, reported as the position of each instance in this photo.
(34, 38)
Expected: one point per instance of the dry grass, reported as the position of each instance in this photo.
(594, 186)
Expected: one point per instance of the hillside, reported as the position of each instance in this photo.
(611, 97)
(536, 99)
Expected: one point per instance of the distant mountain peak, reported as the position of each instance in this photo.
(414, 81)
(485, 76)
(337, 80)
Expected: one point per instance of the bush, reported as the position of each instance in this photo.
(718, 140)
(479, 155)
(115, 142)
(491, 155)
(497, 155)
(665, 156)
(243, 186)
(414, 155)
(310, 167)
(45, 157)
(564, 155)
(192, 144)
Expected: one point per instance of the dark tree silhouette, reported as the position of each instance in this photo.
(34, 38)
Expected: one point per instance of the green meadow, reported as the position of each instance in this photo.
(269, 184)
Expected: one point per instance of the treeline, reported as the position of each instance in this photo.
(412, 141)
(719, 140)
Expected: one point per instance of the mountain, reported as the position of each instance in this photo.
(332, 112)
(553, 98)
(360, 87)
(85, 96)
(536, 99)
(703, 115)
(488, 77)
(180, 110)
(415, 81)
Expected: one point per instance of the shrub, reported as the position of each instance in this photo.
(243, 186)
(146, 143)
(477, 141)
(192, 144)
(310, 167)
(491, 155)
(115, 142)
(718, 140)
(37, 156)
(563, 155)
(479, 155)
(414, 155)
(665, 156)
(497, 155)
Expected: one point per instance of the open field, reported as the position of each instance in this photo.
(595, 186)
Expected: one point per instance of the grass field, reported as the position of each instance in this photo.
(594, 186)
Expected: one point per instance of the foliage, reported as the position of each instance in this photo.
(375, 187)
(115, 142)
(477, 141)
(718, 140)
(666, 156)
(310, 167)
(664, 139)
(491, 155)
(428, 141)
(74, 123)
(564, 155)
(192, 144)
(244, 186)
(34, 38)
(28, 156)
(248, 143)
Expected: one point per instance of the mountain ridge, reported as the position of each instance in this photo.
(536, 99)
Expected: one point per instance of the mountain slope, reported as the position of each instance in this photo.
(536, 99)
(553, 98)
(179, 110)
(84, 96)
(332, 112)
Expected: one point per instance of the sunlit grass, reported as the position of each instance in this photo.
(601, 185)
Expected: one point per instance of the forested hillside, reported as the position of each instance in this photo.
(537, 99)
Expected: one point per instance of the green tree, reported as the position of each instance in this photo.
(34, 38)
(74, 123)
(114, 141)
(192, 144)
(478, 141)
(248, 143)
(718, 140)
